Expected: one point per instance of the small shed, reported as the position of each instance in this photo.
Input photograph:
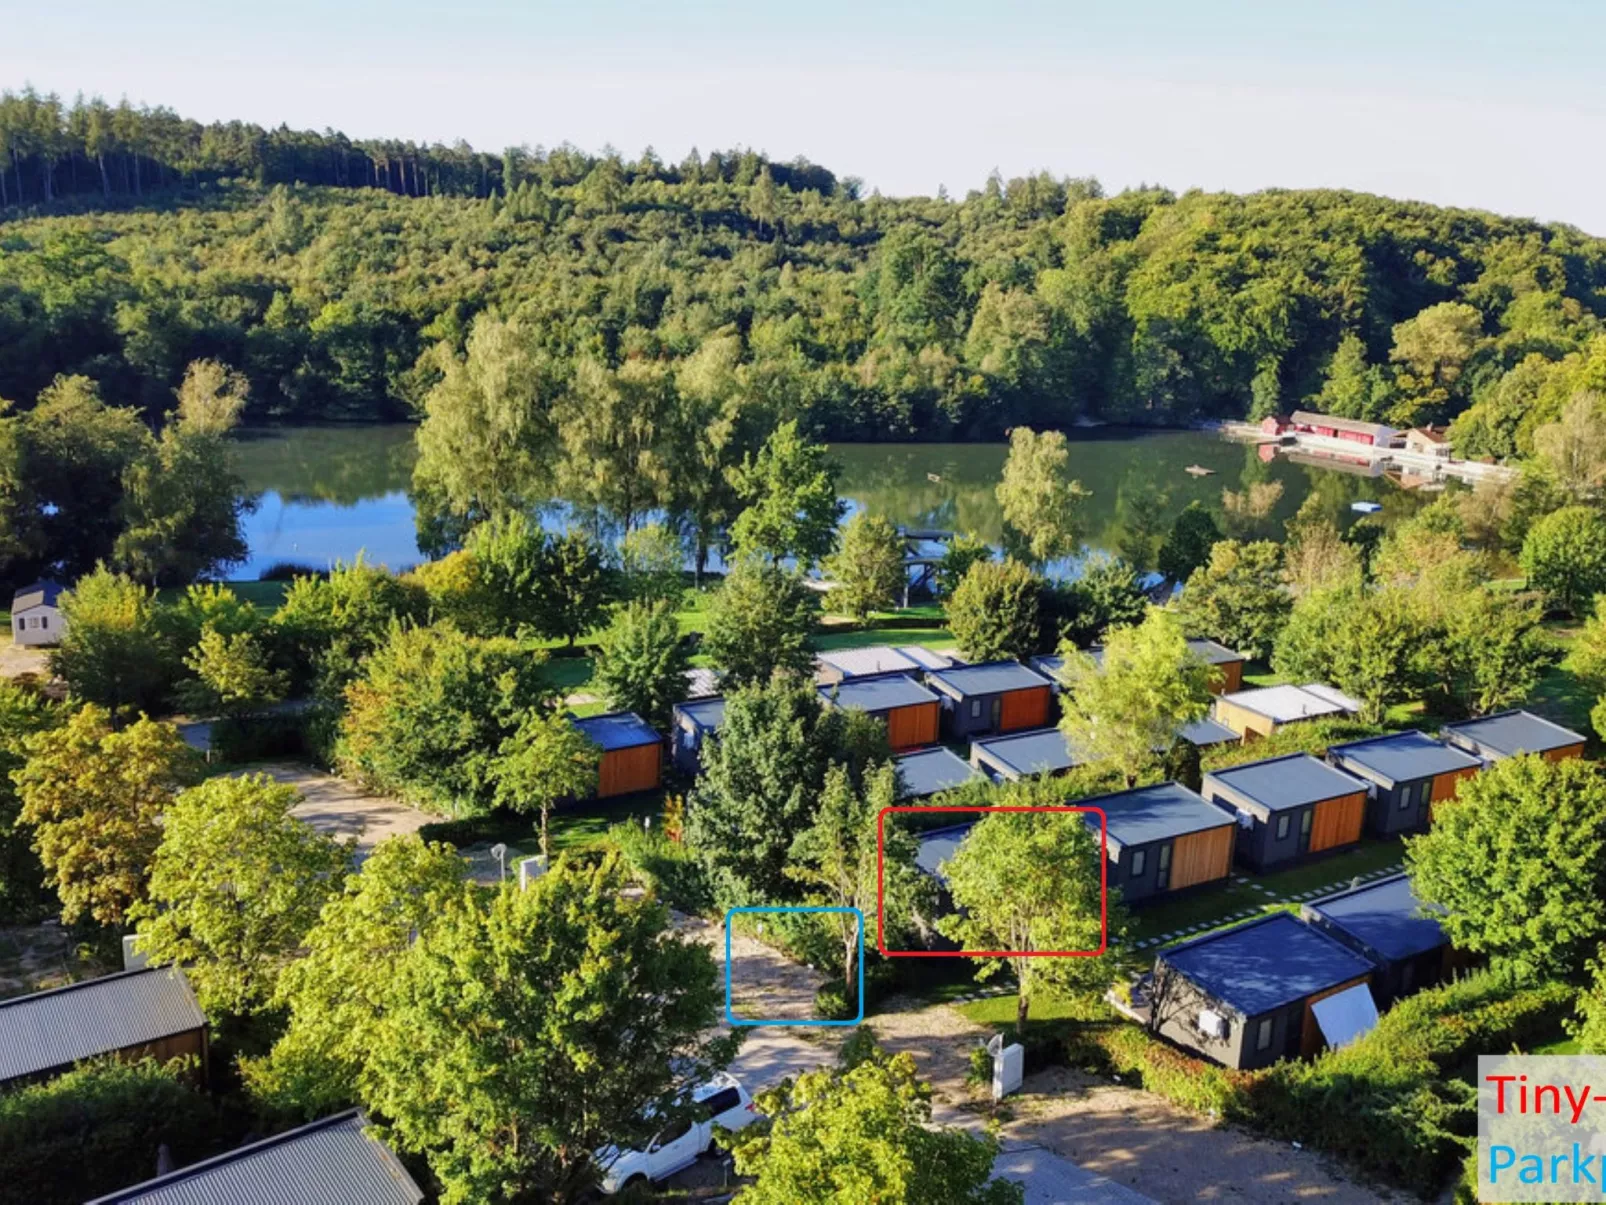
(1385, 923)
(1164, 839)
(1249, 996)
(1044, 752)
(632, 753)
(1409, 772)
(1289, 807)
(932, 771)
(329, 1160)
(1508, 733)
(36, 614)
(695, 721)
(1346, 430)
(1261, 710)
(908, 709)
(992, 696)
(935, 846)
(133, 1015)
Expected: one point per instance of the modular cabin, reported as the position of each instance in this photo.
(1043, 753)
(908, 709)
(1164, 839)
(993, 696)
(1207, 733)
(1266, 990)
(1289, 808)
(1386, 924)
(1050, 665)
(695, 721)
(932, 771)
(133, 1015)
(1262, 710)
(1228, 665)
(632, 753)
(36, 615)
(330, 1160)
(839, 665)
(1409, 773)
(1508, 733)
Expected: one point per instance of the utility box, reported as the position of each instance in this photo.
(1009, 1066)
(530, 870)
(133, 960)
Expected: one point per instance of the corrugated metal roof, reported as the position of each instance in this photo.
(932, 770)
(707, 714)
(1041, 751)
(1265, 964)
(877, 694)
(1290, 781)
(876, 659)
(57, 1028)
(40, 594)
(330, 1162)
(1402, 757)
(1509, 733)
(617, 730)
(1146, 814)
(702, 683)
(1385, 916)
(987, 678)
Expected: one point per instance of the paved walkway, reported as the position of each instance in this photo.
(342, 809)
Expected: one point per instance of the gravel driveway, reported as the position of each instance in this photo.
(342, 809)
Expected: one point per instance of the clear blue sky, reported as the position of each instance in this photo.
(1497, 106)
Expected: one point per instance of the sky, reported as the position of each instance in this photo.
(1474, 103)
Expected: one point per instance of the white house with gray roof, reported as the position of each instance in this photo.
(36, 614)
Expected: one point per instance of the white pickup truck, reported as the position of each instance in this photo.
(721, 1101)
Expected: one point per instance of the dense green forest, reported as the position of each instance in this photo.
(329, 272)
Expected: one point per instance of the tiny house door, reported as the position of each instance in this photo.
(1306, 818)
(1162, 867)
(997, 713)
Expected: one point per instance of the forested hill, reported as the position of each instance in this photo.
(329, 272)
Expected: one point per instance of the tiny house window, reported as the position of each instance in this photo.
(1263, 1035)
(1140, 862)
(975, 709)
(1282, 827)
(1405, 797)
(1304, 821)
(1165, 857)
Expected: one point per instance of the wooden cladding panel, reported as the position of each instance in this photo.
(910, 727)
(1228, 677)
(1337, 821)
(626, 770)
(1445, 785)
(1023, 709)
(1247, 724)
(1202, 857)
(1565, 752)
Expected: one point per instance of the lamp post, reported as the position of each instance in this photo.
(499, 852)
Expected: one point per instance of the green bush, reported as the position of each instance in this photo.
(831, 1003)
(667, 868)
(251, 738)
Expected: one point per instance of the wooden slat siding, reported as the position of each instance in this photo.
(1311, 1040)
(1024, 709)
(627, 770)
(1337, 821)
(1201, 857)
(910, 727)
(1229, 677)
(1445, 787)
(1250, 725)
(1565, 752)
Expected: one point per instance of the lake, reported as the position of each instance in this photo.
(326, 493)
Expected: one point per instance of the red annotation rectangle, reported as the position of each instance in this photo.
(1104, 887)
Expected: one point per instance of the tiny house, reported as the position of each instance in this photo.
(1207, 733)
(632, 753)
(1409, 772)
(838, 665)
(1266, 990)
(1261, 710)
(1164, 839)
(36, 615)
(908, 709)
(1045, 752)
(1228, 665)
(1385, 924)
(1508, 733)
(932, 771)
(695, 721)
(1289, 808)
(993, 696)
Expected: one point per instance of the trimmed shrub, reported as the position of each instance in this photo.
(251, 738)
(667, 868)
(831, 1003)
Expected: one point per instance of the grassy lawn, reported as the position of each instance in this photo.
(999, 1011)
(858, 638)
(1560, 1046)
(568, 673)
(572, 828)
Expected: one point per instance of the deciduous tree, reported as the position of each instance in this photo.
(1042, 502)
(1238, 597)
(652, 560)
(868, 568)
(1565, 557)
(641, 663)
(544, 762)
(759, 622)
(994, 612)
(113, 653)
(789, 497)
(1187, 545)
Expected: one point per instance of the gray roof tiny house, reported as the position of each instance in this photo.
(1292, 806)
(908, 708)
(1024, 754)
(992, 696)
(632, 753)
(695, 721)
(931, 771)
(1165, 838)
(1409, 773)
(838, 665)
(330, 1160)
(936, 846)
(1385, 923)
(1261, 991)
(134, 1013)
(1261, 710)
(1208, 732)
(1508, 733)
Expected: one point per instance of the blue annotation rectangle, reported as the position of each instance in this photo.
(734, 1019)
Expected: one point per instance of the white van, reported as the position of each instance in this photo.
(721, 1101)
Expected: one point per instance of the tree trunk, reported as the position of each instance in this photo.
(850, 965)
(105, 183)
(1022, 1006)
(546, 810)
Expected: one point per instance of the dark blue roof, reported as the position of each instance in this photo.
(1207, 732)
(1286, 782)
(987, 678)
(877, 694)
(1264, 964)
(1509, 733)
(1402, 757)
(1384, 916)
(1146, 814)
(1041, 751)
(938, 845)
(617, 730)
(41, 594)
(1213, 653)
(707, 714)
(1049, 665)
(932, 770)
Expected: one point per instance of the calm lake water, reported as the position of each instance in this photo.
(326, 493)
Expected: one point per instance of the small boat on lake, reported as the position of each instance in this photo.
(1366, 508)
